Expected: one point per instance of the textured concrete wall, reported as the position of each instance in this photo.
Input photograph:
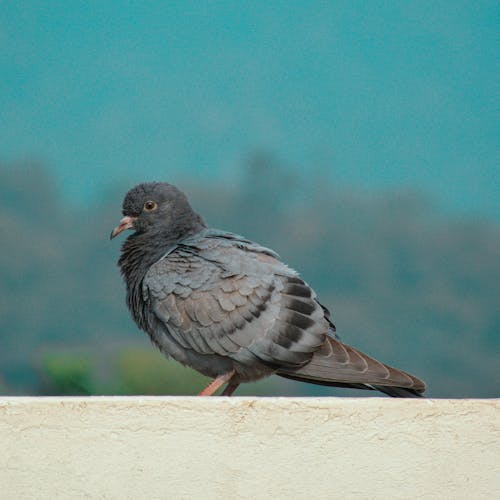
(228, 448)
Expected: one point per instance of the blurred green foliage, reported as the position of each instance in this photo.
(131, 371)
(405, 282)
(66, 374)
(146, 372)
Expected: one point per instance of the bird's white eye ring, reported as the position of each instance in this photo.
(150, 205)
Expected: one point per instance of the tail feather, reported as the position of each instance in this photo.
(398, 392)
(339, 365)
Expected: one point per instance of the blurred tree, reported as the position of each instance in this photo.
(141, 371)
(404, 282)
(66, 374)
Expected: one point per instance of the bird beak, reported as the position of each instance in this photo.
(125, 223)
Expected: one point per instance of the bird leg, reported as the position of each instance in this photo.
(230, 388)
(216, 383)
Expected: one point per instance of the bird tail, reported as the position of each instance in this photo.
(339, 365)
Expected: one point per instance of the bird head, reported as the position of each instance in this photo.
(157, 207)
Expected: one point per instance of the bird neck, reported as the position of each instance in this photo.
(139, 252)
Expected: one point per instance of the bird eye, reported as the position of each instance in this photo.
(149, 206)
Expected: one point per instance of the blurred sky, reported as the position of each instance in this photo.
(382, 93)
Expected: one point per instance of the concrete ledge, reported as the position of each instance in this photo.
(228, 448)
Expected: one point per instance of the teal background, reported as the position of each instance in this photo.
(358, 139)
(381, 93)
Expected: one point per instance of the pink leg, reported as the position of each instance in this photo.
(216, 383)
(230, 388)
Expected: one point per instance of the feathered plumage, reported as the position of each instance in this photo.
(228, 307)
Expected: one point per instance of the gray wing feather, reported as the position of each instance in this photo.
(230, 297)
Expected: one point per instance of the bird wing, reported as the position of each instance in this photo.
(218, 293)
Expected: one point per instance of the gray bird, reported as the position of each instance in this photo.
(228, 307)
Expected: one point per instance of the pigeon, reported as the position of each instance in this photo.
(228, 307)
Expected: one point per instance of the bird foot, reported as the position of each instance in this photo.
(218, 382)
(230, 388)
